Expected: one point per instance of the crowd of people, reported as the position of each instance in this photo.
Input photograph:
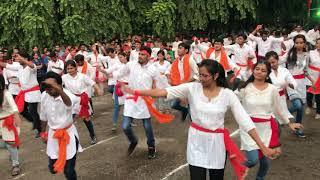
(263, 77)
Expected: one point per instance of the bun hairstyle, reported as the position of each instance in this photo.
(213, 68)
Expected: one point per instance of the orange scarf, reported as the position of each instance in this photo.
(223, 57)
(161, 118)
(175, 74)
(84, 68)
(63, 140)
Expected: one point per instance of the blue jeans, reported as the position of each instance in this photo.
(126, 126)
(297, 106)
(116, 109)
(14, 156)
(111, 88)
(252, 160)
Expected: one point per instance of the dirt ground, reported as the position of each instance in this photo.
(107, 159)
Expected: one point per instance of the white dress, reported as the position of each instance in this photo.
(260, 104)
(280, 80)
(315, 62)
(207, 150)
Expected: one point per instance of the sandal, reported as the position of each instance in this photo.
(15, 170)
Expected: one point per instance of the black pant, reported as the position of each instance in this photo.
(199, 173)
(310, 98)
(90, 128)
(69, 168)
(31, 114)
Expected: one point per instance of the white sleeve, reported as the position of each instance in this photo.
(181, 91)
(194, 68)
(254, 38)
(4, 72)
(289, 79)
(240, 115)
(88, 81)
(277, 40)
(279, 110)
(202, 48)
(49, 68)
(229, 48)
(13, 67)
(123, 71)
(42, 108)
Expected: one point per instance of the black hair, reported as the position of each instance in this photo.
(213, 68)
(272, 54)
(55, 76)
(251, 78)
(79, 57)
(220, 40)
(52, 54)
(185, 45)
(71, 63)
(109, 50)
(264, 32)
(161, 52)
(2, 88)
(241, 34)
(146, 49)
(24, 54)
(292, 54)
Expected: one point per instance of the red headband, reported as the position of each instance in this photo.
(145, 53)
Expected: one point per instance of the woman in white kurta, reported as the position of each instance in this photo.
(162, 81)
(281, 78)
(117, 96)
(209, 101)
(9, 126)
(261, 100)
(78, 83)
(297, 61)
(314, 71)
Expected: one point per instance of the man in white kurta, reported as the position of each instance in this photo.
(141, 76)
(56, 65)
(56, 112)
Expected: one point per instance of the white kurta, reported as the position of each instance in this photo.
(281, 80)
(265, 46)
(140, 77)
(91, 73)
(193, 65)
(241, 56)
(59, 116)
(28, 79)
(56, 67)
(162, 80)
(260, 104)
(207, 149)
(12, 80)
(77, 85)
(315, 62)
(112, 62)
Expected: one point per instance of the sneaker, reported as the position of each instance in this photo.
(15, 170)
(131, 148)
(317, 116)
(308, 111)
(93, 141)
(114, 127)
(151, 152)
(299, 133)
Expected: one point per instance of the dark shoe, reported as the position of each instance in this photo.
(15, 170)
(131, 148)
(299, 133)
(93, 141)
(151, 153)
(184, 115)
(36, 133)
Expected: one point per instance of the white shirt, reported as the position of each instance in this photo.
(140, 77)
(196, 53)
(313, 36)
(294, 33)
(52, 66)
(59, 116)
(175, 47)
(208, 44)
(12, 80)
(260, 104)
(193, 65)
(315, 62)
(207, 150)
(84, 53)
(265, 46)
(77, 84)
(28, 79)
(9, 106)
(112, 62)
(226, 41)
(134, 55)
(97, 61)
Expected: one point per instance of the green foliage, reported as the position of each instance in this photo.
(46, 22)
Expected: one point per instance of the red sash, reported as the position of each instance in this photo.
(20, 97)
(274, 141)
(236, 157)
(314, 68)
(84, 103)
(63, 140)
(281, 92)
(9, 124)
(117, 88)
(299, 76)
